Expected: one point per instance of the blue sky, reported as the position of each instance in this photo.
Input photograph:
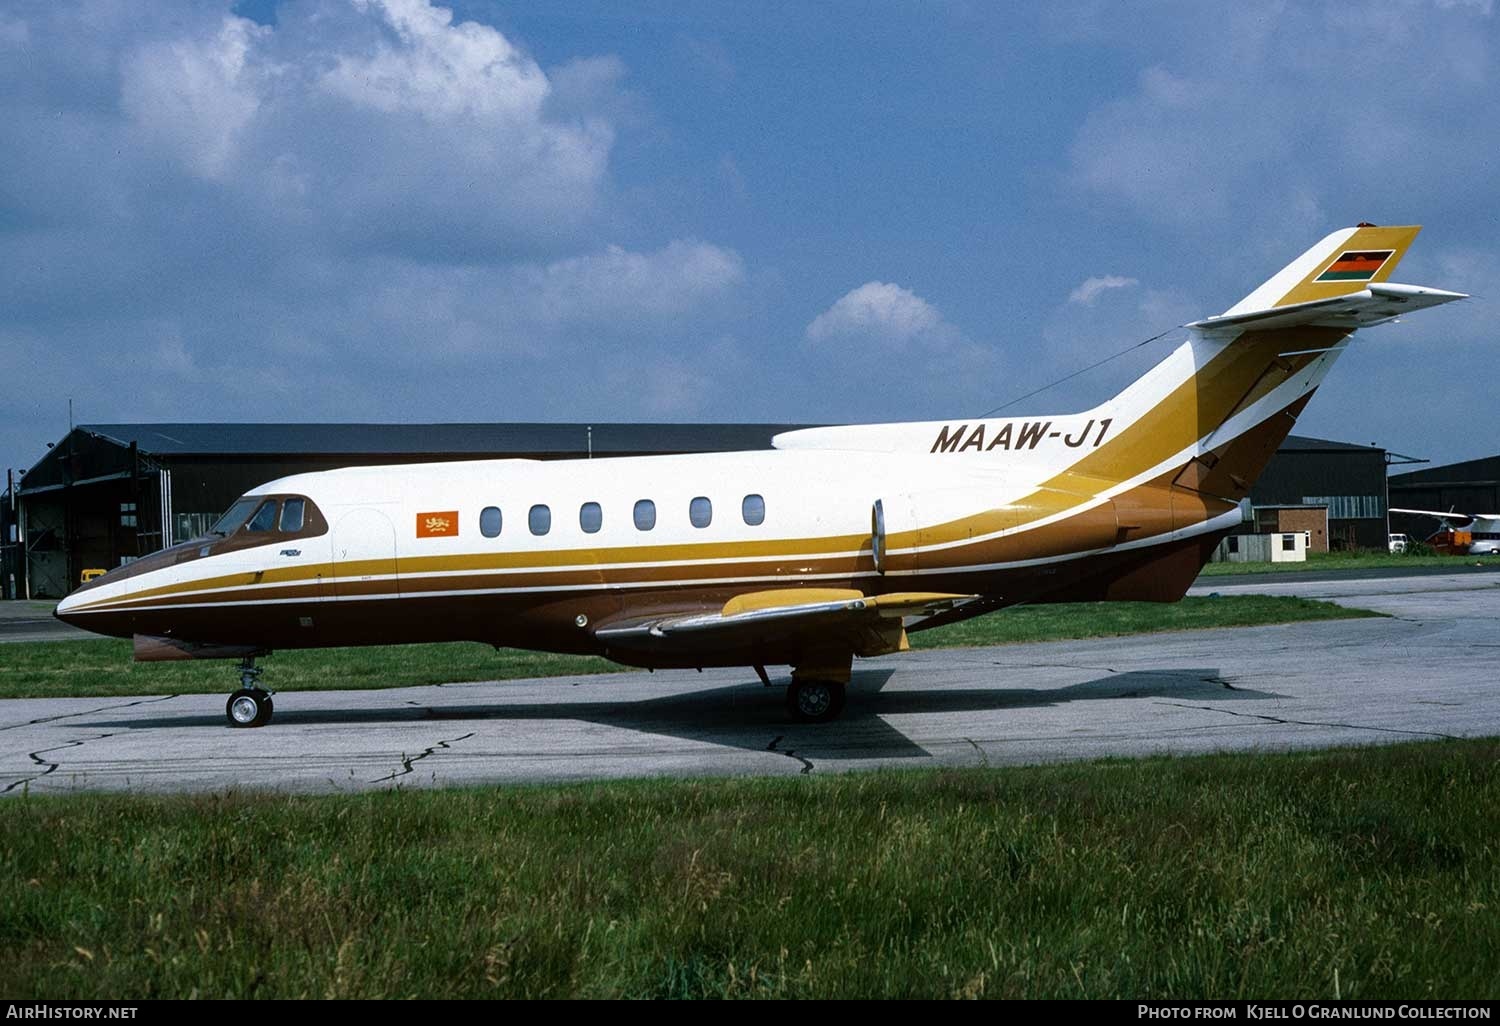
(364, 210)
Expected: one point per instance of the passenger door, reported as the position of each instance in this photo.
(364, 556)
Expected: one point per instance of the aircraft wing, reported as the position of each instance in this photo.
(870, 624)
(1450, 515)
(1374, 304)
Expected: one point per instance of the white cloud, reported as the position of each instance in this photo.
(1089, 291)
(881, 312)
(196, 96)
(618, 283)
(438, 69)
(378, 125)
(590, 306)
(588, 89)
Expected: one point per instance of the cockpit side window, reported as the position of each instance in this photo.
(293, 513)
(265, 517)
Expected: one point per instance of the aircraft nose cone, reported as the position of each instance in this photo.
(67, 609)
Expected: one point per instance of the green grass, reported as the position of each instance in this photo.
(1371, 872)
(1363, 560)
(1108, 619)
(103, 667)
(48, 669)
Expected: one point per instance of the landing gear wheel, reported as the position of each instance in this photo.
(815, 701)
(249, 707)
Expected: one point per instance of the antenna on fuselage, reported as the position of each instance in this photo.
(1069, 377)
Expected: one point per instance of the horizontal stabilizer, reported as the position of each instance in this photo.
(1373, 304)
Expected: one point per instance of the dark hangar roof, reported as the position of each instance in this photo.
(1483, 472)
(433, 439)
(99, 452)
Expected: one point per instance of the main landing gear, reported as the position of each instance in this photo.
(251, 705)
(814, 701)
(817, 691)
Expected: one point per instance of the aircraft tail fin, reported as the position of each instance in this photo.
(1218, 405)
(1230, 394)
(1344, 262)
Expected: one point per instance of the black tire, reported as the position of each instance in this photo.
(815, 701)
(249, 707)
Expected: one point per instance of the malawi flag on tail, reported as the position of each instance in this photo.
(1356, 265)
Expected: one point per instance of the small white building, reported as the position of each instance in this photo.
(1284, 547)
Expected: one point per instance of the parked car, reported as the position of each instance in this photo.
(1397, 543)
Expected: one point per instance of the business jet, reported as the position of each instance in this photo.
(835, 543)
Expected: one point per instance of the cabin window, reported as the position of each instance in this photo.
(265, 517)
(489, 521)
(753, 509)
(645, 515)
(590, 517)
(293, 515)
(539, 519)
(701, 512)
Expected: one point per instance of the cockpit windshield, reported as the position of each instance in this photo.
(263, 517)
(237, 515)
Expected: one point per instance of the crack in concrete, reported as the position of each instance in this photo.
(407, 761)
(1055, 666)
(89, 712)
(790, 753)
(1315, 723)
(984, 758)
(36, 757)
(1219, 680)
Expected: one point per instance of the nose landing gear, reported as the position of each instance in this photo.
(251, 705)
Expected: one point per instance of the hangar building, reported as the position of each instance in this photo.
(1335, 491)
(107, 493)
(1472, 486)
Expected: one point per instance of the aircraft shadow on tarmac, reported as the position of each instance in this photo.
(747, 716)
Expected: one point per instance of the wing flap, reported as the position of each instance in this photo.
(869, 624)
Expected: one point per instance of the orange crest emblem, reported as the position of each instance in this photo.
(437, 525)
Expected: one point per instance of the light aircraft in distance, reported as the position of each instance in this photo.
(1482, 531)
(833, 544)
